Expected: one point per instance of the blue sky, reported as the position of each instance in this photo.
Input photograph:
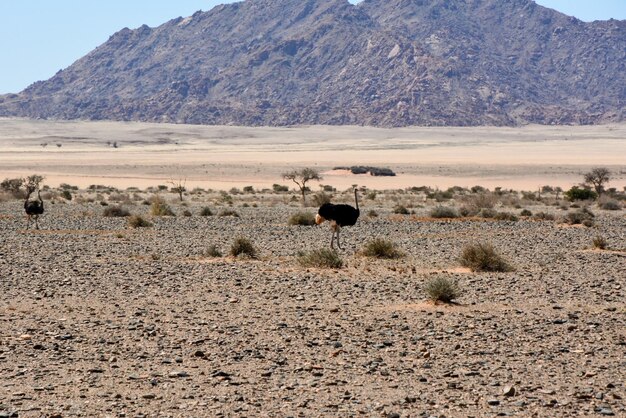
(40, 37)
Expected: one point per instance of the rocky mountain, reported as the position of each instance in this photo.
(380, 63)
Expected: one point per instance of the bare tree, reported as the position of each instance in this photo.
(301, 177)
(597, 178)
(178, 186)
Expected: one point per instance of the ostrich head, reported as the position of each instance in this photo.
(319, 219)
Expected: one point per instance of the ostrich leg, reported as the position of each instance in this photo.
(338, 243)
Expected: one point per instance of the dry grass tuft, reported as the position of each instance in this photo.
(160, 208)
(483, 257)
(136, 221)
(442, 289)
(243, 247)
(322, 258)
(381, 248)
(115, 212)
(302, 218)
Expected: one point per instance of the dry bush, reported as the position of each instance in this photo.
(607, 203)
(229, 212)
(206, 211)
(483, 257)
(321, 198)
(582, 216)
(115, 212)
(322, 258)
(213, 252)
(444, 212)
(401, 210)
(302, 218)
(543, 216)
(160, 208)
(526, 212)
(381, 248)
(243, 246)
(136, 221)
(600, 243)
(119, 197)
(372, 213)
(441, 289)
(506, 216)
(473, 204)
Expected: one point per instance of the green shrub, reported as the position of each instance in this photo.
(576, 193)
(248, 189)
(483, 257)
(212, 251)
(187, 213)
(322, 258)
(381, 248)
(444, 212)
(243, 246)
(136, 221)
(441, 289)
(206, 211)
(302, 218)
(115, 212)
(372, 214)
(160, 208)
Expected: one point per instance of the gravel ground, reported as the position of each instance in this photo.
(97, 319)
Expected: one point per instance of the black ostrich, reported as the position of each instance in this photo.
(338, 216)
(33, 208)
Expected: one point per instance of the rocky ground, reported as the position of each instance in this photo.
(97, 319)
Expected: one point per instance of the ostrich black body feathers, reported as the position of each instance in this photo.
(33, 209)
(339, 216)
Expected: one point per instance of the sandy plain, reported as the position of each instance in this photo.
(82, 153)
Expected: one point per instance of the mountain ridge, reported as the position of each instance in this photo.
(379, 63)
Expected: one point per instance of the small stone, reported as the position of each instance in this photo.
(26, 337)
(180, 373)
(546, 391)
(149, 396)
(509, 391)
(606, 412)
(493, 402)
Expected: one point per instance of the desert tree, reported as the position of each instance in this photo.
(597, 178)
(178, 186)
(301, 178)
(33, 182)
